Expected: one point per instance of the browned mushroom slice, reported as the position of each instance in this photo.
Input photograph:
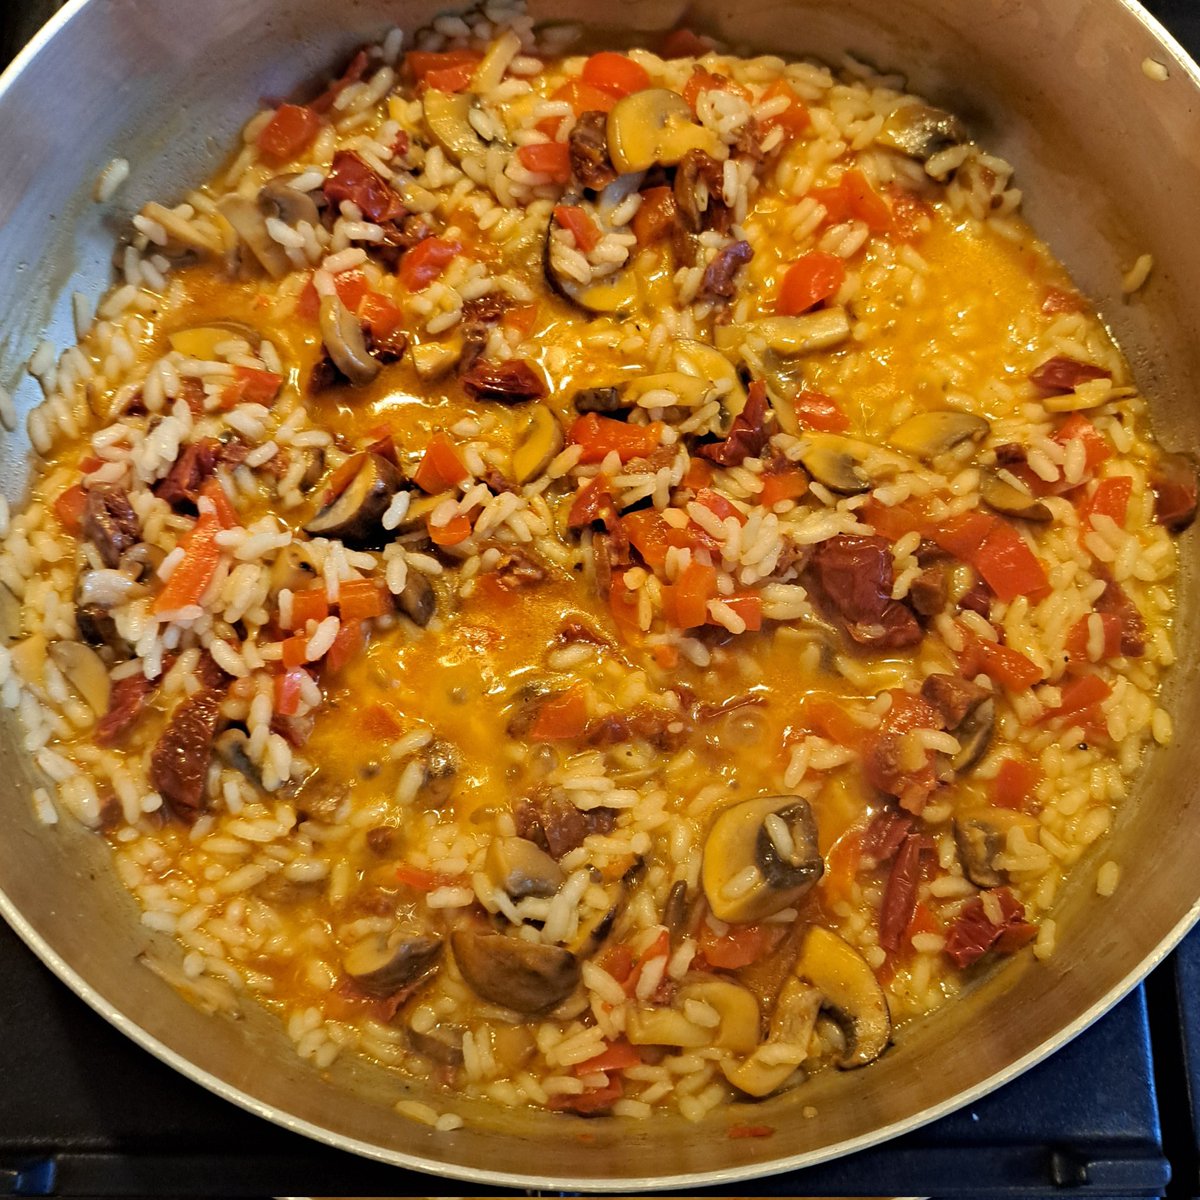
(441, 1044)
(929, 435)
(921, 131)
(528, 977)
(278, 199)
(1006, 498)
(604, 400)
(537, 444)
(850, 994)
(356, 516)
(978, 844)
(836, 463)
(520, 868)
(654, 127)
(417, 601)
(381, 965)
(760, 856)
(345, 342)
(251, 227)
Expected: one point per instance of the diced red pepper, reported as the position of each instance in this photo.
(795, 119)
(685, 603)
(616, 1056)
(593, 503)
(421, 265)
(440, 467)
(1080, 636)
(250, 385)
(379, 314)
(293, 128)
(213, 491)
(1109, 499)
(194, 572)
(600, 436)
(421, 64)
(585, 231)
(69, 507)
(702, 80)
(748, 606)
(456, 530)
(309, 605)
(451, 79)
(866, 204)
(655, 217)
(361, 599)
(911, 216)
(809, 281)
(738, 946)
(996, 550)
(561, 717)
(1096, 446)
(582, 97)
(351, 638)
(815, 410)
(615, 73)
(547, 158)
(1015, 783)
(1009, 668)
(595, 1100)
(421, 880)
(1080, 697)
(786, 485)
(287, 691)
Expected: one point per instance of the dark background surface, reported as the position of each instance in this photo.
(85, 1112)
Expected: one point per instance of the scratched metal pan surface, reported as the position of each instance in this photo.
(1108, 163)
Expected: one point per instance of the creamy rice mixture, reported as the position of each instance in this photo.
(604, 581)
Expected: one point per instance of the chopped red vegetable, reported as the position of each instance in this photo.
(600, 436)
(351, 179)
(795, 119)
(561, 717)
(442, 70)
(738, 946)
(615, 73)
(287, 691)
(360, 599)
(810, 280)
(900, 893)
(1064, 374)
(786, 485)
(584, 230)
(440, 467)
(293, 128)
(815, 410)
(616, 1056)
(421, 265)
(685, 602)
(1080, 697)
(1015, 783)
(547, 158)
(971, 934)
(69, 507)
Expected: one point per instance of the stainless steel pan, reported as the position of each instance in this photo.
(1111, 164)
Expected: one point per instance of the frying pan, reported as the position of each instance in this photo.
(1108, 160)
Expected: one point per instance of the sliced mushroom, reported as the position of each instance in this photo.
(664, 1027)
(974, 735)
(772, 1063)
(278, 199)
(442, 1044)
(616, 290)
(931, 434)
(433, 360)
(417, 601)
(528, 977)
(1005, 498)
(850, 994)
(383, 964)
(448, 118)
(232, 747)
(294, 568)
(251, 227)
(760, 856)
(738, 1029)
(654, 127)
(790, 336)
(140, 562)
(594, 929)
(520, 868)
(356, 516)
(978, 844)
(345, 343)
(441, 761)
(921, 131)
(537, 444)
(705, 362)
(201, 341)
(28, 658)
(675, 911)
(85, 671)
(315, 468)
(600, 400)
(836, 463)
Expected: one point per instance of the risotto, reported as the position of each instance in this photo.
(601, 581)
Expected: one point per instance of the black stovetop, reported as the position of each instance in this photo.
(83, 1111)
